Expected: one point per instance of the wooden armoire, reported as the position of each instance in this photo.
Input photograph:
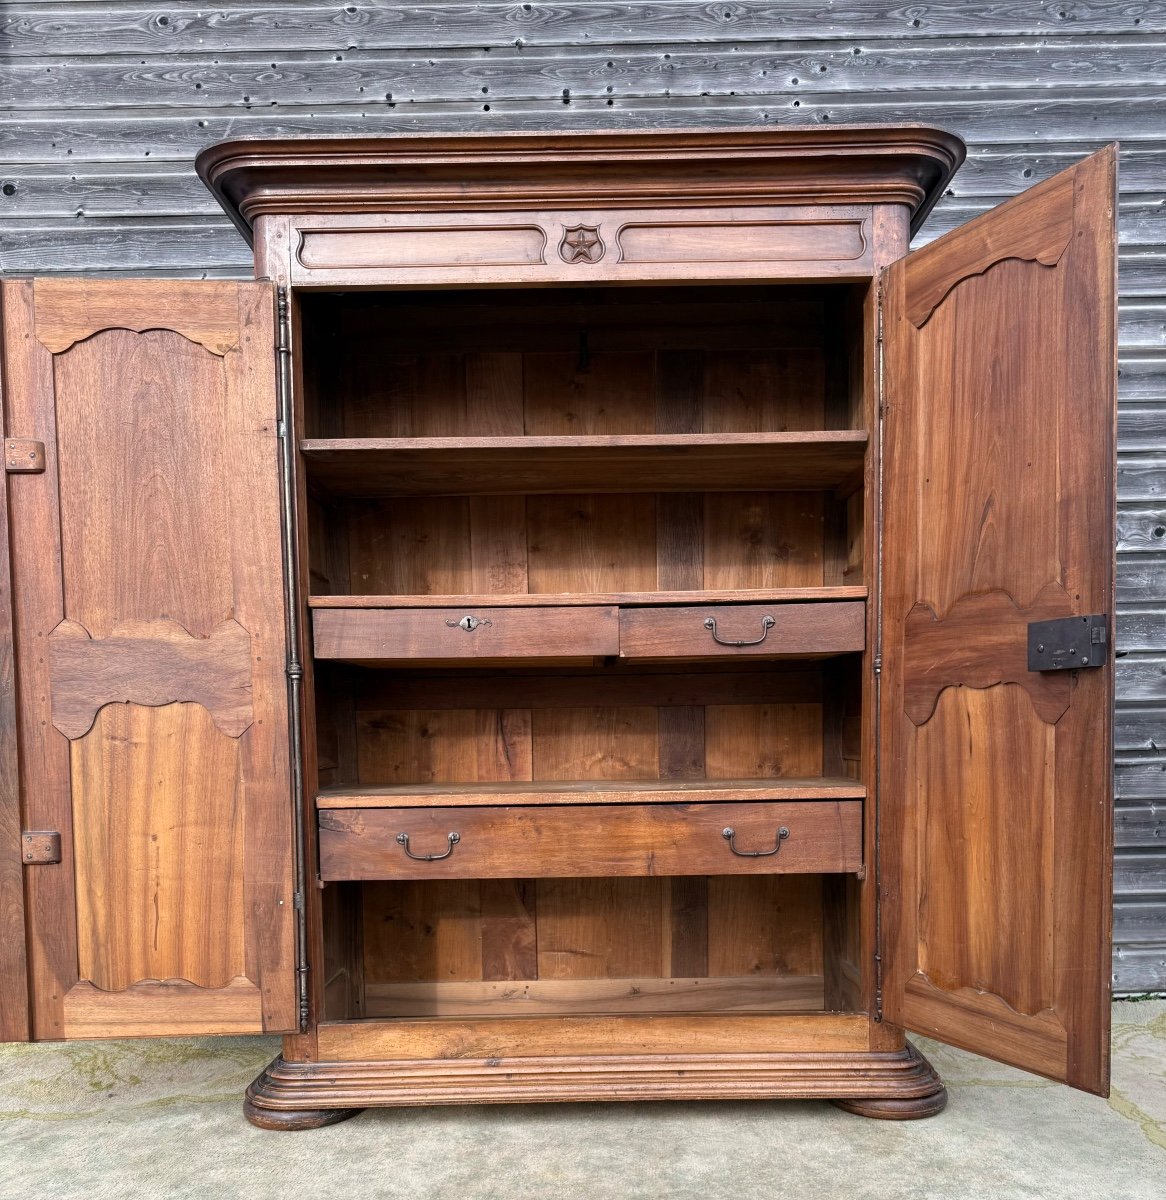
(595, 619)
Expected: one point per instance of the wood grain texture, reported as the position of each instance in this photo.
(206, 314)
(584, 463)
(982, 642)
(14, 1015)
(171, 517)
(633, 840)
(932, 273)
(383, 635)
(155, 1008)
(154, 663)
(568, 997)
(666, 790)
(834, 1068)
(158, 831)
(795, 630)
(35, 547)
(601, 1037)
(997, 852)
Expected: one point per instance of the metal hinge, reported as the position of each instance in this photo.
(23, 456)
(1068, 643)
(293, 667)
(40, 846)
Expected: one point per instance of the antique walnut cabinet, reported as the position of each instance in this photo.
(595, 619)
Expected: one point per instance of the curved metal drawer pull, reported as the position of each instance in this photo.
(728, 833)
(767, 623)
(454, 838)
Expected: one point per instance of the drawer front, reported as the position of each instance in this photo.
(743, 629)
(454, 634)
(570, 841)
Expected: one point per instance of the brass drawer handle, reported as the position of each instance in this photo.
(767, 623)
(729, 834)
(453, 839)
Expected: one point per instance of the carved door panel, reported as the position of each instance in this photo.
(996, 849)
(148, 615)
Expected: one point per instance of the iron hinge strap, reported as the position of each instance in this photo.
(294, 667)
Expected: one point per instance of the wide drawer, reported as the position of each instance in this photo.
(743, 629)
(582, 840)
(456, 634)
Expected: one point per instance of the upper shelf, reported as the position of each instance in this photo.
(378, 467)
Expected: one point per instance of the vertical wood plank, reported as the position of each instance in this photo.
(14, 1015)
(430, 930)
(586, 393)
(411, 547)
(600, 928)
(36, 566)
(604, 543)
(498, 545)
(595, 743)
(509, 929)
(493, 396)
(159, 840)
(679, 391)
(763, 539)
(679, 541)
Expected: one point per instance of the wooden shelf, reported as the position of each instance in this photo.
(592, 791)
(381, 467)
(562, 599)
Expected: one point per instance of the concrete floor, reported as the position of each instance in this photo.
(163, 1120)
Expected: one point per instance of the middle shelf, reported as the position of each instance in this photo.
(592, 791)
(443, 466)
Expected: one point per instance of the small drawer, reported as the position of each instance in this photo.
(764, 630)
(459, 635)
(570, 841)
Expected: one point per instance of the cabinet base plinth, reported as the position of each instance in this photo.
(897, 1084)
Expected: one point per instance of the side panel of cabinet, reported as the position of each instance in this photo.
(996, 780)
(149, 632)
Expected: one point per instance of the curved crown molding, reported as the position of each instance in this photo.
(855, 164)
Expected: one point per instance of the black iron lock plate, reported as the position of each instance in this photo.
(1068, 644)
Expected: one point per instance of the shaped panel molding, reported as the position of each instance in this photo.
(936, 270)
(70, 310)
(981, 642)
(150, 663)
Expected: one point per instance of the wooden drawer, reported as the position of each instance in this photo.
(584, 840)
(457, 634)
(766, 629)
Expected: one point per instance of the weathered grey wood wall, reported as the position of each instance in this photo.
(106, 104)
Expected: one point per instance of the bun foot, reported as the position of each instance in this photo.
(897, 1108)
(308, 1118)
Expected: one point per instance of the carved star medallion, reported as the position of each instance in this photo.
(581, 243)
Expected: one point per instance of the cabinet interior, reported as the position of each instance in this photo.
(634, 446)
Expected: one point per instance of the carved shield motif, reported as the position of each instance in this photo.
(581, 243)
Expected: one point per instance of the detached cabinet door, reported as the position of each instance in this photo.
(148, 620)
(996, 847)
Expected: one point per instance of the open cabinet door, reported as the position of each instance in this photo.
(995, 778)
(151, 695)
